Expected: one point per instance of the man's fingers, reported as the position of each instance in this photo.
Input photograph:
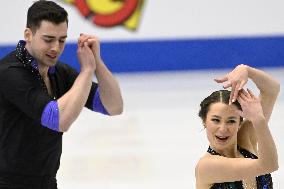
(92, 41)
(83, 38)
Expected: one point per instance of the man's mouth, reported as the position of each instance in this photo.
(51, 56)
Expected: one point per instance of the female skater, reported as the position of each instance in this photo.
(241, 152)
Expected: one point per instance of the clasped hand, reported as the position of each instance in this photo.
(88, 52)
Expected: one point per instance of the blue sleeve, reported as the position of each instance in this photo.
(97, 103)
(50, 116)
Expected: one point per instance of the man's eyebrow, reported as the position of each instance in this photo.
(52, 37)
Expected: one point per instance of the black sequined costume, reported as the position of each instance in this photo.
(263, 181)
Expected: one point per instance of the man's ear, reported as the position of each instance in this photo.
(28, 35)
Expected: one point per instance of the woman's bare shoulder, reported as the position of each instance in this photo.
(200, 183)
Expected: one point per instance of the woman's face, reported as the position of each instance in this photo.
(222, 124)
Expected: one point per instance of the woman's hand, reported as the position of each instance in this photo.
(251, 106)
(236, 79)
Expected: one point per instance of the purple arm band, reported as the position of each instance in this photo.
(97, 104)
(50, 116)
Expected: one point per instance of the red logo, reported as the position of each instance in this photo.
(110, 13)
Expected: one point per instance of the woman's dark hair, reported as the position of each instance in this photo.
(217, 96)
(45, 10)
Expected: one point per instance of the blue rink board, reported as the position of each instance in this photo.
(182, 54)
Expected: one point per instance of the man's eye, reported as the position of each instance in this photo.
(61, 41)
(47, 40)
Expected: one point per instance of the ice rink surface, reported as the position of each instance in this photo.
(159, 138)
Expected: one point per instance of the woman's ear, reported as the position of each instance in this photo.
(203, 122)
(28, 35)
(240, 126)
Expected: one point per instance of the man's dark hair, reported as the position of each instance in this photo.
(217, 96)
(45, 10)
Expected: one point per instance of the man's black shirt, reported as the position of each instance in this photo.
(26, 147)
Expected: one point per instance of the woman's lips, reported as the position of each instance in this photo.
(221, 138)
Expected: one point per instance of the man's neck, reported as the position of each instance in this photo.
(43, 70)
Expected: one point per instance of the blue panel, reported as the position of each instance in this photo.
(183, 54)
(6, 49)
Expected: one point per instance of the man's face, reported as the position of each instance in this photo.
(47, 43)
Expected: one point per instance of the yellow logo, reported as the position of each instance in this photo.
(110, 13)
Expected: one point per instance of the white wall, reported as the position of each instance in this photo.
(166, 19)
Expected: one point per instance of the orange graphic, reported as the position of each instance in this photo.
(110, 13)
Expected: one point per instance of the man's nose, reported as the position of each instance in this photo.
(56, 46)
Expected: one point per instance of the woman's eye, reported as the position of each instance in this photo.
(231, 121)
(215, 120)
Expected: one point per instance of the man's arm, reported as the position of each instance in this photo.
(110, 93)
(108, 100)
(109, 90)
(71, 103)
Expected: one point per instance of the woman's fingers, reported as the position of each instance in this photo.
(240, 113)
(227, 85)
(221, 80)
(251, 94)
(245, 93)
(242, 84)
(236, 90)
(241, 96)
(233, 90)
